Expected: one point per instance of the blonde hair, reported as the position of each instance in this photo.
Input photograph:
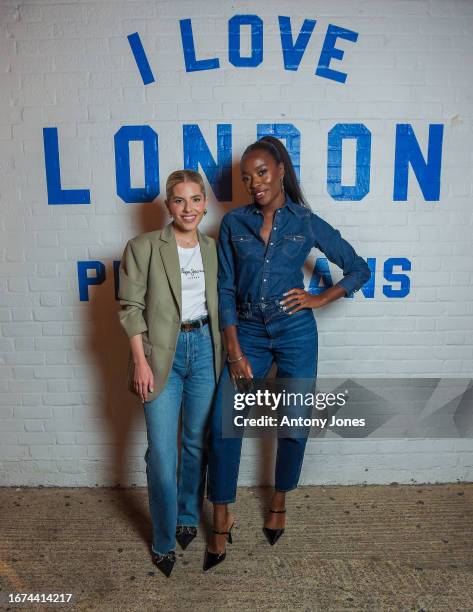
(183, 176)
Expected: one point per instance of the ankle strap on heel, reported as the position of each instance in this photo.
(214, 531)
(278, 511)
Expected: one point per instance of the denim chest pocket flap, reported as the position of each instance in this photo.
(292, 244)
(244, 244)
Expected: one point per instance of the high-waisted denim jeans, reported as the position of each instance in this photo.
(266, 334)
(176, 498)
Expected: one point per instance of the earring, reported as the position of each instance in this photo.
(282, 185)
(205, 211)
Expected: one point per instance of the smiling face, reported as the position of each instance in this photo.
(262, 177)
(186, 205)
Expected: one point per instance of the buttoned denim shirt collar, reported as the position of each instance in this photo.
(251, 271)
(288, 204)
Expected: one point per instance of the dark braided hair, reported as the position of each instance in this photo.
(278, 152)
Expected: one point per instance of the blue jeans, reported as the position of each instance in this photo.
(175, 498)
(266, 333)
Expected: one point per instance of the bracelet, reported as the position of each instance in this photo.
(235, 360)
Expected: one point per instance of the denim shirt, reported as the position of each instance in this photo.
(250, 271)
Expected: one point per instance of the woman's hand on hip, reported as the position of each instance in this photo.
(297, 299)
(143, 380)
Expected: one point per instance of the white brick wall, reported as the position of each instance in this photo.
(66, 418)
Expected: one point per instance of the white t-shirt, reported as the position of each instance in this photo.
(194, 304)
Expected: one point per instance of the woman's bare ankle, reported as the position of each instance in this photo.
(222, 517)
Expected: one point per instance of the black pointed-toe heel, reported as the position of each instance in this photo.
(273, 535)
(185, 534)
(165, 563)
(212, 559)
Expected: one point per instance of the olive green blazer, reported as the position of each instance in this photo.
(150, 299)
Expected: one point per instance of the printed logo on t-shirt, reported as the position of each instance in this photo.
(194, 303)
(191, 273)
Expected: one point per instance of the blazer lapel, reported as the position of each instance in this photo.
(168, 249)
(210, 270)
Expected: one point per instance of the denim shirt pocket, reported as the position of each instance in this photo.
(292, 244)
(244, 245)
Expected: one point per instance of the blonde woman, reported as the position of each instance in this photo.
(168, 298)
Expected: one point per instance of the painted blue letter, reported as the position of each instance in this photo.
(321, 272)
(140, 58)
(196, 151)
(85, 281)
(122, 163)
(56, 194)
(368, 288)
(334, 161)
(408, 152)
(293, 52)
(329, 51)
(193, 64)
(234, 43)
(403, 279)
(289, 133)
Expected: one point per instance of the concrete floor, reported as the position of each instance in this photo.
(345, 548)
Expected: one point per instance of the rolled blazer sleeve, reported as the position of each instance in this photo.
(327, 239)
(133, 275)
(226, 279)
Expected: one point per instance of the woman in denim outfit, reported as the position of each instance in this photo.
(266, 316)
(168, 294)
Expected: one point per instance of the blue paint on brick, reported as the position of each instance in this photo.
(408, 153)
(197, 152)
(293, 51)
(188, 47)
(291, 136)
(321, 278)
(86, 281)
(140, 58)
(122, 140)
(368, 288)
(336, 136)
(234, 41)
(329, 52)
(395, 277)
(56, 194)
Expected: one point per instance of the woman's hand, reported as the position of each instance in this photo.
(143, 379)
(240, 369)
(297, 299)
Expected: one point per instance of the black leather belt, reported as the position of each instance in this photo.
(188, 325)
